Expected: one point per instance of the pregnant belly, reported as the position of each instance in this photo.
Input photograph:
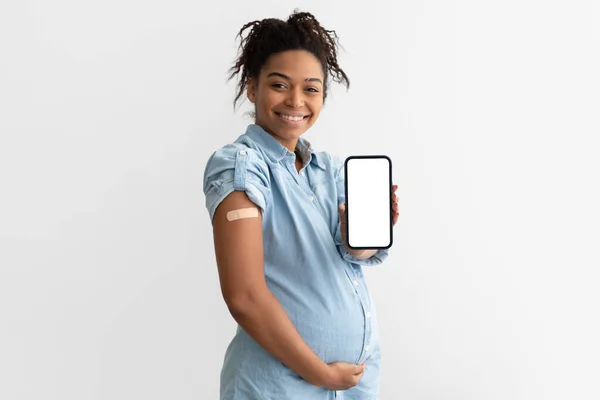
(324, 306)
(333, 326)
(333, 338)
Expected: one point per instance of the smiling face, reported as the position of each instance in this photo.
(288, 96)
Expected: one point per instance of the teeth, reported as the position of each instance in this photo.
(291, 118)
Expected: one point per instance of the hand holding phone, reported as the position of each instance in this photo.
(369, 206)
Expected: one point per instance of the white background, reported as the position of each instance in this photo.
(109, 111)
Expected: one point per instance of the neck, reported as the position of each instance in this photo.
(288, 144)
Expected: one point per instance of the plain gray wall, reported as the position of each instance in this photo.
(489, 110)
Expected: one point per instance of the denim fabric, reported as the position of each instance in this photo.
(319, 284)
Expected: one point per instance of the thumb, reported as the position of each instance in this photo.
(342, 208)
(359, 369)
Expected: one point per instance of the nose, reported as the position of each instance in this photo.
(295, 98)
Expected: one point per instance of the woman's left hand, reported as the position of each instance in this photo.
(396, 214)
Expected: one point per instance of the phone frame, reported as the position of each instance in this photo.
(348, 203)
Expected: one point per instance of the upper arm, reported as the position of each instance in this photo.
(237, 177)
(239, 250)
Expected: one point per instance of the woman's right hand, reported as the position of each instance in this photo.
(343, 376)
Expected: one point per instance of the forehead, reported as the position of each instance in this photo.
(297, 64)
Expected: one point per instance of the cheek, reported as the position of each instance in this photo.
(264, 97)
(316, 108)
(317, 102)
(270, 102)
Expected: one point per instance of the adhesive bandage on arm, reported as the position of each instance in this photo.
(251, 212)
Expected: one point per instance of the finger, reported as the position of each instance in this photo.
(395, 206)
(356, 379)
(395, 218)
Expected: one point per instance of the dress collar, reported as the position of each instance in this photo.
(278, 151)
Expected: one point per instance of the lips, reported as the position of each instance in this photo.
(291, 114)
(292, 122)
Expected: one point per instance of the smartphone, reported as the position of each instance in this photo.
(368, 186)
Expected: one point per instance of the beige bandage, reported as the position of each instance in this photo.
(251, 212)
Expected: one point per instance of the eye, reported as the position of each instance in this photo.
(313, 90)
(278, 85)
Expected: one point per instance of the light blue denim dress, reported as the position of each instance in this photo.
(318, 283)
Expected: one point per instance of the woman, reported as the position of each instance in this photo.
(307, 328)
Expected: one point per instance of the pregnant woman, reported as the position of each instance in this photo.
(307, 326)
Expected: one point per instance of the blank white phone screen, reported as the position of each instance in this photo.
(368, 202)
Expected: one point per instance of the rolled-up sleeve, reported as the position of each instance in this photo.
(376, 258)
(236, 167)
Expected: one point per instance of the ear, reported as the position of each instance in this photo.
(251, 90)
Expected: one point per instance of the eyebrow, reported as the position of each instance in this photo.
(289, 79)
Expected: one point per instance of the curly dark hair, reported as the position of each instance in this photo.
(270, 36)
